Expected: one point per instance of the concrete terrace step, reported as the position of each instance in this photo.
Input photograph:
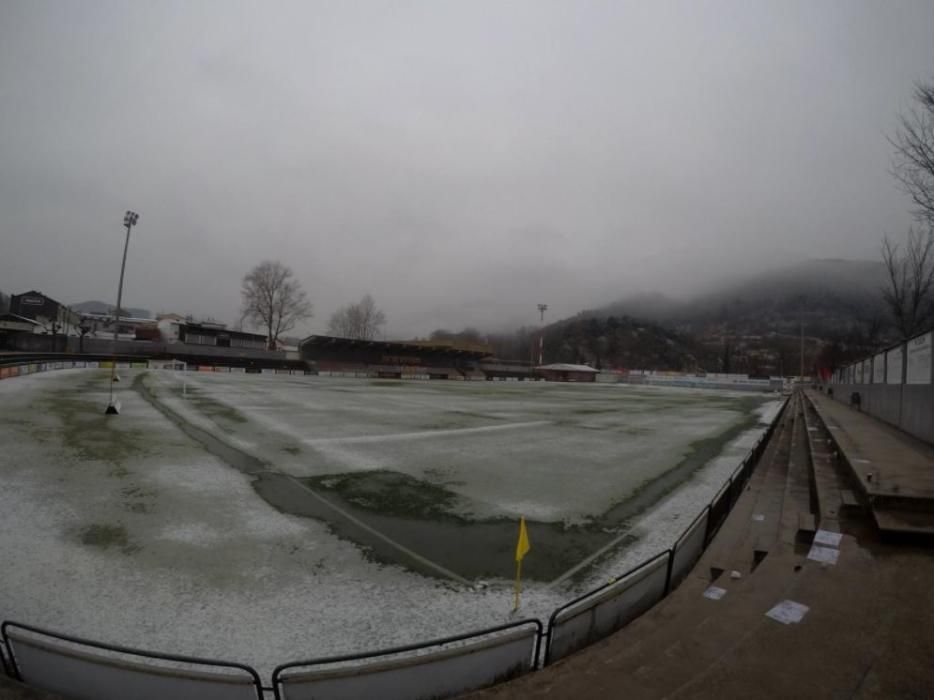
(797, 505)
(829, 480)
(894, 471)
(906, 522)
(756, 516)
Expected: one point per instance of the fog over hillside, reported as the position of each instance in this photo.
(749, 324)
(834, 285)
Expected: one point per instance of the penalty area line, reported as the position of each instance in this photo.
(588, 560)
(423, 434)
(179, 419)
(376, 533)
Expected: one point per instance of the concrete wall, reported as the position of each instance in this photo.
(897, 386)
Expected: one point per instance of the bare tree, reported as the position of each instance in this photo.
(913, 164)
(273, 300)
(360, 321)
(909, 289)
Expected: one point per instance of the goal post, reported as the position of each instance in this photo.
(173, 366)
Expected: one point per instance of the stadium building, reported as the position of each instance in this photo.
(562, 372)
(393, 360)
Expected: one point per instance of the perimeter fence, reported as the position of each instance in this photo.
(895, 385)
(438, 668)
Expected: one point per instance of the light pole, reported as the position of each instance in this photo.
(129, 220)
(801, 378)
(542, 308)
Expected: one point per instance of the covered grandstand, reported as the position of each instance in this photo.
(391, 360)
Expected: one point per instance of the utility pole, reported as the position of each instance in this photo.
(542, 308)
(802, 348)
(129, 220)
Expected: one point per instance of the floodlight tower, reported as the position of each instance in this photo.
(129, 220)
(542, 308)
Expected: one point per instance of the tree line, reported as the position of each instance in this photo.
(909, 289)
(272, 299)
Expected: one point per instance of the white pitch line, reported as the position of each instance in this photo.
(356, 521)
(376, 533)
(423, 434)
(580, 565)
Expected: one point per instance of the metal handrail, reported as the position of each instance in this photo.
(596, 591)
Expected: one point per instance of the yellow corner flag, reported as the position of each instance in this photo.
(522, 548)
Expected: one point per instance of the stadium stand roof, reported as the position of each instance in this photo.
(563, 367)
(327, 343)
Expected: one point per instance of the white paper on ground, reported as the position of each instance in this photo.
(825, 555)
(788, 612)
(826, 537)
(758, 517)
(715, 593)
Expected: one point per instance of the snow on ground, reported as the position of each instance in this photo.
(597, 443)
(123, 529)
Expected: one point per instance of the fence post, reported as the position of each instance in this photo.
(671, 562)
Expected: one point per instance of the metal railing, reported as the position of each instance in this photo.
(415, 666)
(105, 668)
(603, 599)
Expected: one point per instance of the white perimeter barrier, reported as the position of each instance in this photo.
(86, 670)
(688, 548)
(606, 610)
(439, 669)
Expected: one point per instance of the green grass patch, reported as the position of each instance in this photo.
(107, 536)
(390, 493)
(83, 428)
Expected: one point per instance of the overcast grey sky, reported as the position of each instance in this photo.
(460, 161)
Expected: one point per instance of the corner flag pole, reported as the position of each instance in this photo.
(522, 548)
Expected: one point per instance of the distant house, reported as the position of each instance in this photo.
(169, 330)
(561, 372)
(219, 335)
(11, 323)
(16, 330)
(50, 315)
(103, 324)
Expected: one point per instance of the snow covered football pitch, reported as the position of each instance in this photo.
(267, 518)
